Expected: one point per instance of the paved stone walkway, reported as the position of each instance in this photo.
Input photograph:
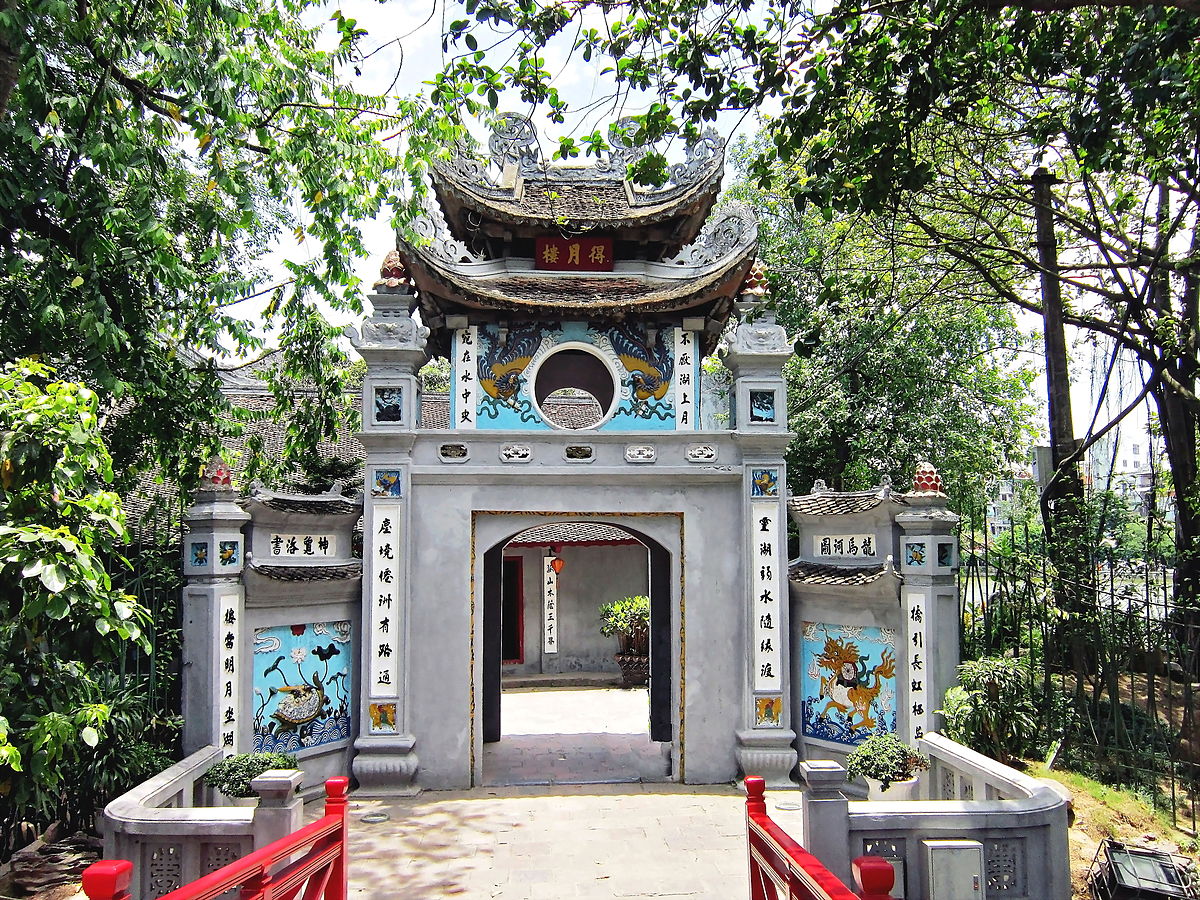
(566, 840)
(574, 736)
(597, 842)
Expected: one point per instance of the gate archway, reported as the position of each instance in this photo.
(660, 535)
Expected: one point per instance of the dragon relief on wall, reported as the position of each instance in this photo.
(846, 698)
(645, 368)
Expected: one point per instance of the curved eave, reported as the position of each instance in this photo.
(530, 204)
(515, 287)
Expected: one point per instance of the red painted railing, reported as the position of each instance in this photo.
(780, 869)
(320, 872)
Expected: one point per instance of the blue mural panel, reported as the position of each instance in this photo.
(302, 686)
(645, 370)
(848, 682)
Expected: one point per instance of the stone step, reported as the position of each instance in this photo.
(561, 680)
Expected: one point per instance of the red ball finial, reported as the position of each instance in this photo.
(927, 480)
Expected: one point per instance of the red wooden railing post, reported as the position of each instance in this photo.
(874, 876)
(756, 801)
(108, 879)
(756, 804)
(335, 805)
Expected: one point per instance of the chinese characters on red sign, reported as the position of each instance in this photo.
(573, 254)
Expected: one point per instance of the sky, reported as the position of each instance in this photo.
(402, 53)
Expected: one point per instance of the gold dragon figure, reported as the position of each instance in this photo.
(846, 684)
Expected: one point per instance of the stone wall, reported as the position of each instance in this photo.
(591, 576)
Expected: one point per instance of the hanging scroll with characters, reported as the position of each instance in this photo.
(848, 681)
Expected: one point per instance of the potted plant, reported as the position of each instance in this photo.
(629, 619)
(889, 765)
(233, 774)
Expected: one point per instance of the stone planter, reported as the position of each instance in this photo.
(242, 801)
(897, 790)
(635, 669)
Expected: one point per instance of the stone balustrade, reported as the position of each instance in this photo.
(1020, 821)
(173, 832)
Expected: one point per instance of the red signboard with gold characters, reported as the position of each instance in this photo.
(574, 254)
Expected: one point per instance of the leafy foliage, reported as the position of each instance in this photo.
(991, 710)
(885, 758)
(627, 616)
(152, 151)
(63, 620)
(233, 774)
(902, 355)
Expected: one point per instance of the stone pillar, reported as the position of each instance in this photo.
(393, 346)
(756, 354)
(929, 604)
(825, 813)
(215, 676)
(280, 809)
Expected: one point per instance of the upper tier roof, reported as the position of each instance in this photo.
(516, 195)
(702, 280)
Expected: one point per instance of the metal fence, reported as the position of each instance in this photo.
(1114, 682)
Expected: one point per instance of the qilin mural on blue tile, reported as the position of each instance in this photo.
(848, 682)
(302, 686)
(645, 369)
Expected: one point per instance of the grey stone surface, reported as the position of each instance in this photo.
(591, 576)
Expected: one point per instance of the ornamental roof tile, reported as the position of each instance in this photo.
(819, 573)
(841, 503)
(308, 573)
(573, 533)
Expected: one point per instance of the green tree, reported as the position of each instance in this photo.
(62, 617)
(903, 355)
(150, 152)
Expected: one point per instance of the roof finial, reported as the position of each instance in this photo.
(393, 275)
(217, 475)
(927, 480)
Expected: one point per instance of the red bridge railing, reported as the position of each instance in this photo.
(780, 869)
(320, 872)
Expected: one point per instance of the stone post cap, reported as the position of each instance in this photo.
(824, 777)
(276, 787)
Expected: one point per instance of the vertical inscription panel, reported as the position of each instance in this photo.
(385, 631)
(549, 606)
(767, 587)
(687, 380)
(919, 701)
(229, 705)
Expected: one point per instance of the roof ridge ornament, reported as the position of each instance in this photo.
(430, 225)
(729, 227)
(514, 142)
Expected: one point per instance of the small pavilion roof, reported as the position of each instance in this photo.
(701, 280)
(514, 192)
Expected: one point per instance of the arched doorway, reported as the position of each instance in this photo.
(606, 576)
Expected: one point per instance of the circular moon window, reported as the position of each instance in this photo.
(575, 389)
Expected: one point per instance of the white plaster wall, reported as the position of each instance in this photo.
(591, 576)
(444, 663)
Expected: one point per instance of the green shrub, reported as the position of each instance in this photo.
(885, 758)
(232, 775)
(993, 710)
(629, 615)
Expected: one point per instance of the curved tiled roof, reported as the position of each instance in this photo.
(516, 189)
(819, 573)
(336, 506)
(840, 503)
(573, 533)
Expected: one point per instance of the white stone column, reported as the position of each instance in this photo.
(756, 355)
(393, 346)
(929, 602)
(216, 672)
